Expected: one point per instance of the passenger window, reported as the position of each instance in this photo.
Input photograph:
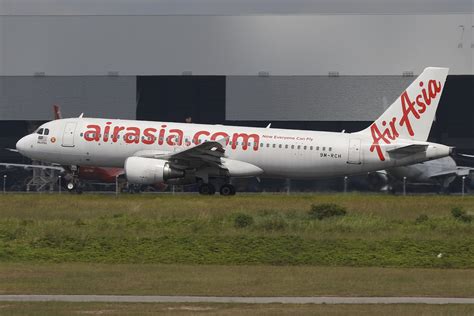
(274, 145)
(324, 148)
(286, 146)
(279, 146)
(292, 146)
(330, 148)
(261, 144)
(299, 147)
(268, 145)
(310, 147)
(317, 147)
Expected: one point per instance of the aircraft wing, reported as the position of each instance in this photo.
(208, 153)
(458, 172)
(25, 166)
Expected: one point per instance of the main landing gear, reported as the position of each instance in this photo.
(209, 189)
(227, 189)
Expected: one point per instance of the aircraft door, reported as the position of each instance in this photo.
(354, 152)
(68, 136)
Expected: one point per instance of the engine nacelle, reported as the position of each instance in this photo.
(141, 170)
(242, 169)
(378, 181)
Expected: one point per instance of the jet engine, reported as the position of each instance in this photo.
(141, 170)
(378, 181)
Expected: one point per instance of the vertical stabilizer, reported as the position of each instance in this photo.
(410, 117)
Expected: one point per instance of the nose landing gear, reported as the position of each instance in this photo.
(74, 186)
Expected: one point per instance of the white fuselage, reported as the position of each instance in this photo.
(278, 152)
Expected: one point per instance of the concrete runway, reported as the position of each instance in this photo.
(236, 299)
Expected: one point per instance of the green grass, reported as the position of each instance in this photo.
(56, 308)
(212, 280)
(379, 230)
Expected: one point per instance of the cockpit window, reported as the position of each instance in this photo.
(46, 131)
(40, 131)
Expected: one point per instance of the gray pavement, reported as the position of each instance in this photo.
(236, 299)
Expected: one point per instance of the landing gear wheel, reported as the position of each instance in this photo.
(74, 187)
(227, 189)
(207, 189)
(71, 186)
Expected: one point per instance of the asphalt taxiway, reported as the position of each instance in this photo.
(237, 299)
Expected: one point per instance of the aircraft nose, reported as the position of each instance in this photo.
(22, 145)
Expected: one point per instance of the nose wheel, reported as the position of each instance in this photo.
(73, 187)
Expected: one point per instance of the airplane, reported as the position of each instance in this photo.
(439, 172)
(183, 153)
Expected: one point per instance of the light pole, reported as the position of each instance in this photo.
(4, 183)
(404, 185)
(463, 185)
(116, 186)
(59, 184)
(345, 184)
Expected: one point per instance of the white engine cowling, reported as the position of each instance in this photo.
(238, 168)
(141, 170)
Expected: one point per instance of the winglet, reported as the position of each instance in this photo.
(82, 114)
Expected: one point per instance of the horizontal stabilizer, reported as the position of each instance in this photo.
(458, 172)
(409, 149)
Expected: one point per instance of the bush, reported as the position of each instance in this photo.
(422, 218)
(243, 220)
(461, 215)
(322, 211)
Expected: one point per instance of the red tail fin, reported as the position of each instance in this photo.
(57, 112)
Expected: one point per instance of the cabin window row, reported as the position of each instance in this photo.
(262, 145)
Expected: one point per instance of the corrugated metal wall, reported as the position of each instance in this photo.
(31, 98)
(311, 98)
(235, 45)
